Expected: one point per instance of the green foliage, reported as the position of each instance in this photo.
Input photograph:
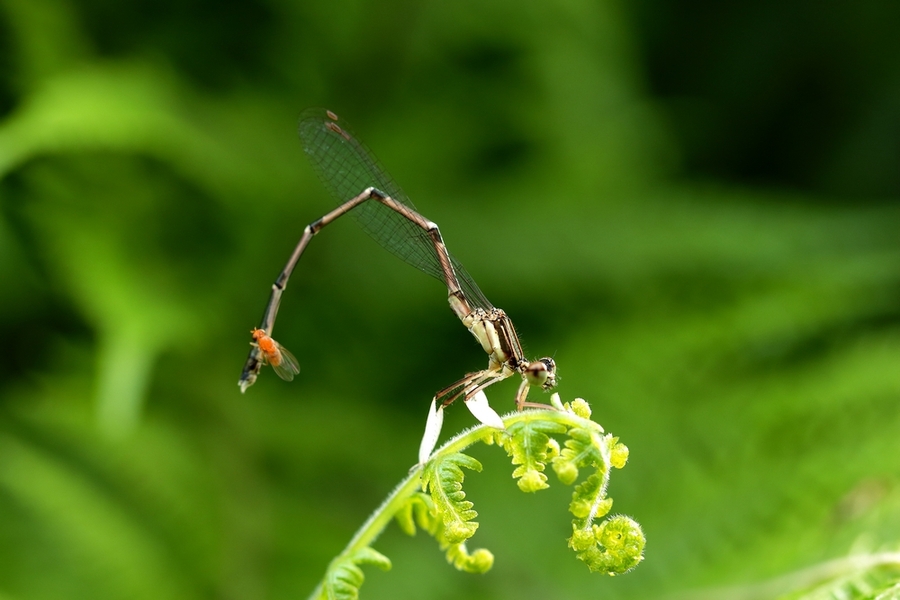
(420, 510)
(345, 577)
(612, 546)
(871, 582)
(452, 514)
(873, 576)
(529, 446)
(692, 207)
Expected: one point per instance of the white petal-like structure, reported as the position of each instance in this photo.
(478, 406)
(432, 431)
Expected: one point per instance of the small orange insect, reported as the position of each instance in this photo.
(282, 361)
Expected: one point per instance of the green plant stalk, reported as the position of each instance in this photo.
(384, 514)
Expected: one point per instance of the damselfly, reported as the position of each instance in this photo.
(362, 188)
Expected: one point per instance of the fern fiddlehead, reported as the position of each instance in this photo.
(432, 498)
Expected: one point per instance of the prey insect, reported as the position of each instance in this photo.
(271, 352)
(360, 185)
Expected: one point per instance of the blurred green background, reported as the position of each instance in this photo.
(693, 206)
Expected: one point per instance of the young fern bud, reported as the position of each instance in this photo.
(614, 547)
(432, 496)
(345, 578)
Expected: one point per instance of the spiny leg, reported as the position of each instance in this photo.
(469, 385)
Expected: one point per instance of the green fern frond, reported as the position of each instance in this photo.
(582, 449)
(443, 479)
(417, 510)
(589, 500)
(431, 498)
(613, 547)
(344, 577)
(529, 445)
(868, 577)
(858, 577)
(479, 561)
(450, 516)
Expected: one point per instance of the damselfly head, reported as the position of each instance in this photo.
(542, 373)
